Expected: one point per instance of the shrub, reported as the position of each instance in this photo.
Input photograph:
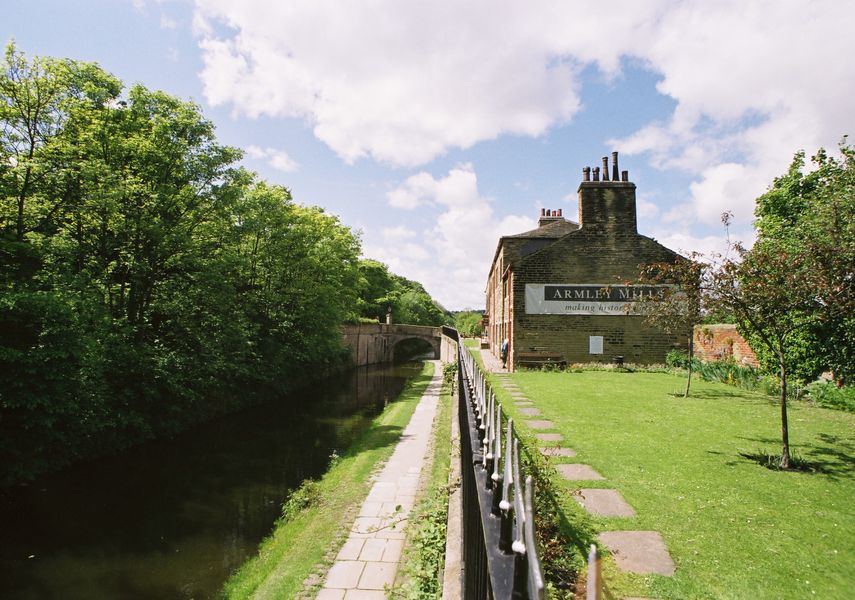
(677, 359)
(831, 396)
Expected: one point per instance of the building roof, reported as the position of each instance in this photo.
(553, 230)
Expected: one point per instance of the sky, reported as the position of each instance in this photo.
(433, 127)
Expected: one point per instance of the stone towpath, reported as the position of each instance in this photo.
(367, 563)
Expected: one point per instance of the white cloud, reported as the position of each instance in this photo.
(278, 159)
(754, 82)
(398, 82)
(452, 257)
(402, 83)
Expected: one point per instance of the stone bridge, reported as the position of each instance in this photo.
(375, 342)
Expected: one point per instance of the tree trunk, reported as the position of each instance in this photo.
(691, 360)
(785, 433)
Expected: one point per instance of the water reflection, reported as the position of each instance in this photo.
(173, 519)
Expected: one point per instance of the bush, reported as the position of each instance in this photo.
(831, 396)
(677, 359)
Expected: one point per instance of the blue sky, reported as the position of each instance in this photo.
(434, 127)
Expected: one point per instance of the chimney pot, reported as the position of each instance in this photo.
(615, 171)
(605, 168)
(624, 176)
(586, 174)
(596, 173)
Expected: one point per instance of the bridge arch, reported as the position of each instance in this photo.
(413, 344)
(372, 343)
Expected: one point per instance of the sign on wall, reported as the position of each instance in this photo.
(588, 298)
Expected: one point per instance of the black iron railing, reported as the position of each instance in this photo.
(499, 549)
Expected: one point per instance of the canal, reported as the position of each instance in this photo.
(173, 518)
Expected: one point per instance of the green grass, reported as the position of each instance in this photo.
(689, 468)
(320, 514)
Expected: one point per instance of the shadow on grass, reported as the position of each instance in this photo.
(772, 461)
(378, 437)
(718, 393)
(831, 455)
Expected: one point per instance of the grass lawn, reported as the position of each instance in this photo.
(302, 544)
(735, 529)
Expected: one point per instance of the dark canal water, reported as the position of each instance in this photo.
(173, 519)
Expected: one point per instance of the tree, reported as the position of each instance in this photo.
(811, 216)
(678, 310)
(146, 282)
(381, 291)
(468, 323)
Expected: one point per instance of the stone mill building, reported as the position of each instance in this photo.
(558, 293)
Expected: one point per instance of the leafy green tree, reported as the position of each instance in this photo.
(811, 216)
(468, 323)
(146, 281)
(767, 292)
(381, 291)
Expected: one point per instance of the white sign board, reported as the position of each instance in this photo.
(588, 298)
(595, 344)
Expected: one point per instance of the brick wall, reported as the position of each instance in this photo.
(720, 341)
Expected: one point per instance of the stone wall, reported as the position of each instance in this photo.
(607, 250)
(374, 343)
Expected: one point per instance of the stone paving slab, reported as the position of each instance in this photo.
(540, 424)
(549, 437)
(578, 471)
(557, 451)
(639, 551)
(604, 502)
(367, 562)
(530, 412)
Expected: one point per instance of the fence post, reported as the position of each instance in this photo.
(594, 582)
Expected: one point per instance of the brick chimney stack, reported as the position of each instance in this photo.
(604, 205)
(549, 215)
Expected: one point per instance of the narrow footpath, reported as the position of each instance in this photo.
(366, 565)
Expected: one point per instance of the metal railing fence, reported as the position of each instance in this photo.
(500, 553)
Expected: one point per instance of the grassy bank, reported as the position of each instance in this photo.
(316, 517)
(692, 470)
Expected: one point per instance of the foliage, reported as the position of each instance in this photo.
(426, 555)
(381, 291)
(730, 372)
(146, 281)
(677, 359)
(831, 396)
(468, 323)
(680, 306)
(769, 292)
(810, 216)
